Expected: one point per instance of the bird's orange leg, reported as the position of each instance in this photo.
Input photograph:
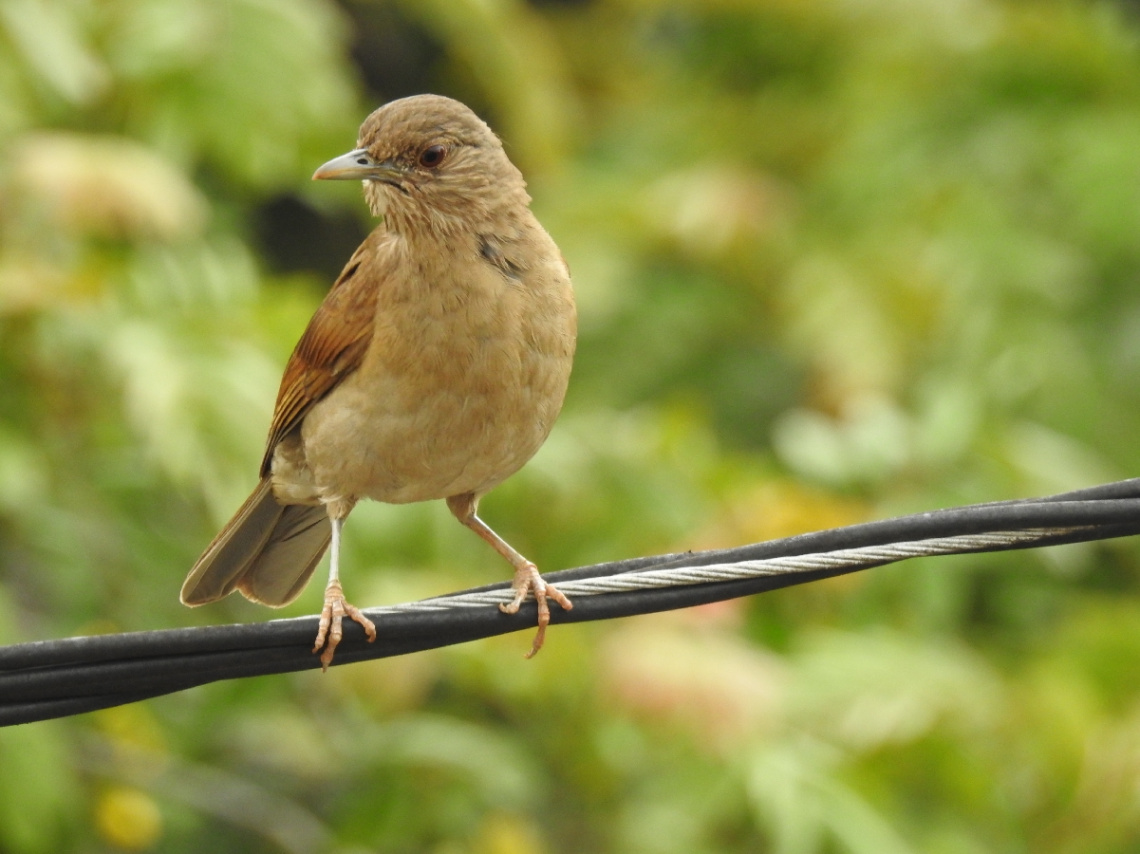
(336, 606)
(527, 578)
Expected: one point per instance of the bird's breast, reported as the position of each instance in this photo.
(461, 383)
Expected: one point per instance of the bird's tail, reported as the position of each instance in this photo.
(267, 551)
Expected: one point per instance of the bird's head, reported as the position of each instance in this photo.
(429, 160)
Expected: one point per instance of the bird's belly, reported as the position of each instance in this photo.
(427, 436)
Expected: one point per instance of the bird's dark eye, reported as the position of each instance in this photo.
(432, 156)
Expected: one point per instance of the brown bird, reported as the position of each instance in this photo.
(434, 368)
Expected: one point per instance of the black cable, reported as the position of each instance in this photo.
(48, 679)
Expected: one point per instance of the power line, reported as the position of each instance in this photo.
(48, 679)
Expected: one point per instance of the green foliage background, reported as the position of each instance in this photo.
(836, 260)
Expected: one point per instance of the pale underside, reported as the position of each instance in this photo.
(459, 389)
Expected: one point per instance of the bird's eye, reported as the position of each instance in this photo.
(432, 156)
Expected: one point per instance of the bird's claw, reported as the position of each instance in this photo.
(332, 616)
(527, 580)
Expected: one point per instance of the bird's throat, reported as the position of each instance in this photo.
(377, 198)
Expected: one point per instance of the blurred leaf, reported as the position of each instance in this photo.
(39, 792)
(51, 40)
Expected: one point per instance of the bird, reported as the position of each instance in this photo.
(434, 368)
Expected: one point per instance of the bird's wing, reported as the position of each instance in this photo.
(332, 347)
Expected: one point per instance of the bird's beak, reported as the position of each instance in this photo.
(356, 166)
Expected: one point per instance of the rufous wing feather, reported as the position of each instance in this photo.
(332, 347)
(269, 550)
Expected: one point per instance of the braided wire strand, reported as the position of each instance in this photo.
(653, 579)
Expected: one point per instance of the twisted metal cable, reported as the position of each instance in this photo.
(838, 560)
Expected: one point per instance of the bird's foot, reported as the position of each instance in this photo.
(332, 615)
(527, 580)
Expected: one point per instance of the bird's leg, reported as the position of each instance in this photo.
(336, 606)
(527, 578)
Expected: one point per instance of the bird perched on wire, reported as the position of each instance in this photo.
(434, 368)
